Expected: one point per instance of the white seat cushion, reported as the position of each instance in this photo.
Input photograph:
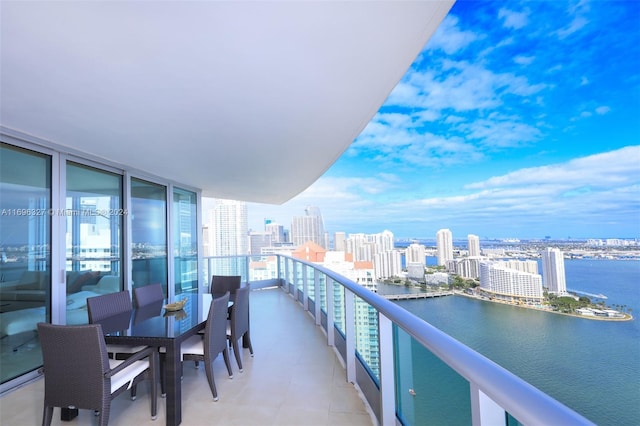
(128, 374)
(193, 345)
(124, 349)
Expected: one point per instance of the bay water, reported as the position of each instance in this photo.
(589, 365)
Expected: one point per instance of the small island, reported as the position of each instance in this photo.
(570, 304)
(511, 276)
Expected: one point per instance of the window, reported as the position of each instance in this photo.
(25, 257)
(185, 241)
(148, 233)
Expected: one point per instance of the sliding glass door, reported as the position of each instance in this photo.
(93, 238)
(25, 257)
(185, 241)
(97, 227)
(148, 233)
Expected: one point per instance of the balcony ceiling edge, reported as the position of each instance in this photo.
(246, 100)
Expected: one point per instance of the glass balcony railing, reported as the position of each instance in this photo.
(389, 353)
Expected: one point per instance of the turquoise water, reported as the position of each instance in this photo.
(591, 366)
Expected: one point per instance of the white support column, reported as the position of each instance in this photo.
(350, 331)
(387, 371)
(484, 411)
(305, 288)
(331, 317)
(316, 296)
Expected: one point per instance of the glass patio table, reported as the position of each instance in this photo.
(152, 325)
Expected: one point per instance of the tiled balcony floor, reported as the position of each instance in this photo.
(294, 379)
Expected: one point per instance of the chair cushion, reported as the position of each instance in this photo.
(127, 375)
(124, 349)
(193, 345)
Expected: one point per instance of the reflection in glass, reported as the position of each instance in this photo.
(185, 240)
(25, 257)
(428, 390)
(94, 216)
(148, 233)
(366, 329)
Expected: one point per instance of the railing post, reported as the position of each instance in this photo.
(247, 270)
(484, 411)
(279, 269)
(331, 316)
(350, 331)
(305, 288)
(286, 275)
(316, 295)
(387, 371)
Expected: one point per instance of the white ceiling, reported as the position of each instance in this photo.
(246, 100)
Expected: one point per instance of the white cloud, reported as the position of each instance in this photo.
(449, 37)
(573, 196)
(617, 168)
(524, 60)
(514, 20)
(574, 26)
(602, 110)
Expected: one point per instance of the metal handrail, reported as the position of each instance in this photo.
(522, 400)
(526, 403)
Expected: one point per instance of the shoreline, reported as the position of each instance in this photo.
(627, 317)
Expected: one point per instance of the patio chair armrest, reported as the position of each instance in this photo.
(150, 352)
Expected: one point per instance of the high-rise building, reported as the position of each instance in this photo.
(339, 241)
(309, 227)
(228, 228)
(277, 232)
(553, 271)
(416, 253)
(509, 284)
(473, 242)
(387, 264)
(258, 240)
(444, 245)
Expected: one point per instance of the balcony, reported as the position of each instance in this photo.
(302, 374)
(292, 367)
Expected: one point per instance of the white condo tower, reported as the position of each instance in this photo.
(444, 245)
(553, 271)
(473, 242)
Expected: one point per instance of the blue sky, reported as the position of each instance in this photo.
(516, 120)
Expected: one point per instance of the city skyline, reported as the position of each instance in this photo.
(517, 120)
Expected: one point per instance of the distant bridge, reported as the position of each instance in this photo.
(417, 295)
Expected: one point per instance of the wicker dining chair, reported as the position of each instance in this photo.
(196, 348)
(238, 325)
(149, 299)
(220, 284)
(79, 374)
(148, 294)
(113, 312)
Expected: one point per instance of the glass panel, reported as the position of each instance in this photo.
(299, 276)
(429, 391)
(338, 303)
(311, 283)
(226, 265)
(323, 293)
(367, 336)
(25, 257)
(148, 233)
(263, 268)
(185, 241)
(93, 211)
